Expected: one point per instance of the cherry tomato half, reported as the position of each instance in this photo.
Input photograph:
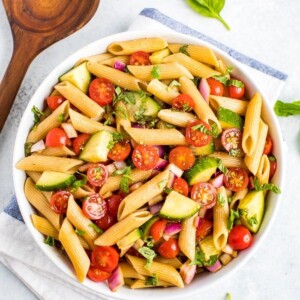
(97, 174)
(94, 207)
(182, 157)
(139, 58)
(105, 258)
(59, 202)
(236, 179)
(196, 137)
(120, 151)
(57, 137)
(204, 193)
(55, 101)
(183, 102)
(157, 229)
(232, 139)
(97, 275)
(106, 221)
(113, 203)
(101, 90)
(204, 228)
(145, 157)
(169, 248)
(273, 165)
(216, 87)
(239, 238)
(268, 145)
(79, 142)
(181, 186)
(236, 92)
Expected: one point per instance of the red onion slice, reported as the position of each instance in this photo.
(38, 146)
(187, 272)
(116, 280)
(154, 209)
(69, 130)
(217, 181)
(214, 268)
(204, 89)
(119, 65)
(173, 228)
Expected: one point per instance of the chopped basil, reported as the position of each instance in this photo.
(120, 112)
(200, 260)
(117, 137)
(125, 181)
(49, 241)
(236, 152)
(37, 115)
(224, 79)
(234, 215)
(152, 281)
(221, 167)
(202, 129)
(79, 232)
(167, 190)
(61, 117)
(221, 199)
(27, 148)
(174, 83)
(80, 182)
(235, 82)
(149, 242)
(155, 72)
(252, 221)
(126, 97)
(96, 228)
(183, 49)
(149, 254)
(266, 187)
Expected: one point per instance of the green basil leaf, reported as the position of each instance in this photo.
(155, 72)
(96, 228)
(283, 109)
(148, 253)
(27, 148)
(183, 49)
(79, 232)
(37, 115)
(49, 241)
(151, 281)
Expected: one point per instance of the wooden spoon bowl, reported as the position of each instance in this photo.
(37, 24)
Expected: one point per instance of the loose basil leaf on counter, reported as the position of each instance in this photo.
(283, 109)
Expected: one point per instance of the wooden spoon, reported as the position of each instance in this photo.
(37, 24)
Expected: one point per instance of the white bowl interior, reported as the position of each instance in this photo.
(203, 281)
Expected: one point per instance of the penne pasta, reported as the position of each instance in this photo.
(98, 58)
(176, 118)
(129, 272)
(237, 197)
(229, 161)
(239, 107)
(174, 262)
(141, 284)
(122, 120)
(263, 171)
(44, 226)
(112, 60)
(57, 151)
(81, 192)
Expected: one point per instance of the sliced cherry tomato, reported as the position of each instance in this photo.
(59, 202)
(236, 92)
(204, 228)
(105, 258)
(57, 137)
(113, 203)
(182, 157)
(94, 207)
(273, 166)
(145, 157)
(232, 139)
(181, 186)
(139, 58)
(97, 275)
(195, 137)
(97, 174)
(239, 238)
(268, 145)
(157, 229)
(183, 102)
(216, 87)
(79, 142)
(120, 151)
(55, 101)
(236, 179)
(106, 221)
(169, 248)
(101, 90)
(204, 193)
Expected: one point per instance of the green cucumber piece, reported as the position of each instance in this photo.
(202, 170)
(229, 119)
(253, 206)
(147, 226)
(79, 76)
(178, 207)
(204, 150)
(129, 238)
(208, 247)
(52, 181)
(96, 149)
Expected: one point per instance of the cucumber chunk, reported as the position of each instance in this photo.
(96, 149)
(202, 170)
(129, 238)
(208, 247)
(229, 119)
(79, 76)
(178, 207)
(52, 181)
(204, 150)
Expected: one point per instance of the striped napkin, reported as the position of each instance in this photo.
(19, 252)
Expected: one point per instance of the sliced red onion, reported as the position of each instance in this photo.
(69, 130)
(119, 65)
(175, 170)
(214, 268)
(120, 165)
(138, 125)
(173, 228)
(204, 89)
(187, 272)
(217, 181)
(135, 186)
(154, 173)
(171, 179)
(154, 209)
(38, 146)
(116, 280)
(111, 168)
(162, 163)
(161, 150)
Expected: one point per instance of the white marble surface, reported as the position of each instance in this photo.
(266, 30)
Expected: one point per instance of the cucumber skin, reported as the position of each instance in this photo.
(145, 229)
(55, 187)
(229, 119)
(204, 150)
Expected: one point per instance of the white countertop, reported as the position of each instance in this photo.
(266, 30)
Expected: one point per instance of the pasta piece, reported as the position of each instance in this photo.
(44, 226)
(141, 284)
(202, 109)
(112, 235)
(228, 160)
(80, 100)
(162, 271)
(237, 197)
(53, 121)
(98, 58)
(174, 262)
(239, 107)
(128, 240)
(148, 45)
(155, 200)
(263, 171)
(122, 119)
(177, 118)
(58, 151)
(111, 61)
(35, 176)
(195, 67)
(208, 247)
(222, 67)
(251, 127)
(81, 192)
(42, 163)
(129, 272)
(83, 243)
(74, 249)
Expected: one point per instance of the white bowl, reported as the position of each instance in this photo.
(201, 282)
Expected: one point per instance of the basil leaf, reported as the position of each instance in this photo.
(183, 49)
(200, 260)
(283, 109)
(234, 215)
(27, 148)
(148, 253)
(202, 129)
(266, 187)
(252, 221)
(80, 182)
(96, 228)
(79, 232)
(37, 115)
(221, 167)
(49, 240)
(125, 181)
(221, 199)
(61, 117)
(155, 72)
(152, 281)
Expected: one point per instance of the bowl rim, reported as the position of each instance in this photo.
(67, 64)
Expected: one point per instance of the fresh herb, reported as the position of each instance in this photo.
(27, 148)
(252, 221)
(149, 242)
(215, 130)
(235, 82)
(183, 49)
(236, 152)
(221, 166)
(152, 281)
(228, 296)
(185, 107)
(174, 83)
(167, 190)
(225, 79)
(149, 254)
(196, 81)
(96, 228)
(117, 137)
(79, 232)
(49, 240)
(61, 117)
(155, 72)
(221, 199)
(229, 199)
(209, 8)
(126, 97)
(80, 182)
(108, 114)
(118, 90)
(202, 129)
(200, 260)
(125, 181)
(120, 112)
(37, 115)
(234, 215)
(283, 109)
(266, 187)
(139, 114)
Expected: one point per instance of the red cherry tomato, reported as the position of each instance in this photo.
(120, 151)
(97, 275)
(157, 229)
(196, 137)
(204, 193)
(55, 101)
(268, 145)
(105, 258)
(239, 238)
(181, 186)
(236, 92)
(273, 166)
(216, 87)
(204, 228)
(183, 102)
(232, 139)
(106, 221)
(97, 174)
(182, 157)
(139, 58)
(59, 202)
(169, 248)
(94, 207)
(236, 179)
(113, 203)
(79, 142)
(101, 90)
(57, 137)
(145, 157)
